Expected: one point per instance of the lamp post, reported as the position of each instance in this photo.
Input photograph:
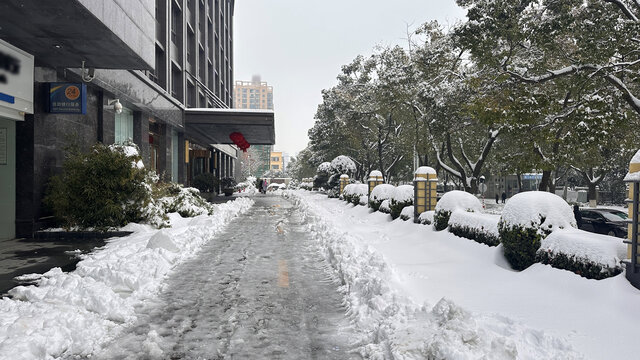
(425, 182)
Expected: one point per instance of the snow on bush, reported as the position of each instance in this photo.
(451, 201)
(185, 201)
(306, 186)
(593, 256)
(407, 213)
(324, 168)
(395, 327)
(343, 165)
(379, 194)
(364, 200)
(526, 219)
(353, 192)
(426, 218)
(384, 207)
(70, 315)
(401, 197)
(482, 228)
(248, 186)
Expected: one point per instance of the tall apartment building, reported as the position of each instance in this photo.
(155, 72)
(256, 94)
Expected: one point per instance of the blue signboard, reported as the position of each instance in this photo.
(67, 98)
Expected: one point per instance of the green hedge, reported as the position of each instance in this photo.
(520, 245)
(581, 266)
(396, 207)
(441, 219)
(474, 234)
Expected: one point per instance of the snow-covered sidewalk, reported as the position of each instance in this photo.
(73, 314)
(432, 294)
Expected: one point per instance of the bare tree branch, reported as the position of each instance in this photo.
(628, 13)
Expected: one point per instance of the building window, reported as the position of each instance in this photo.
(275, 167)
(275, 159)
(174, 156)
(124, 126)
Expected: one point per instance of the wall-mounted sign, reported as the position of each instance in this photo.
(16, 82)
(67, 98)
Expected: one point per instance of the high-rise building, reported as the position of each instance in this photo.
(256, 94)
(155, 72)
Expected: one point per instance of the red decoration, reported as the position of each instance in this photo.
(239, 140)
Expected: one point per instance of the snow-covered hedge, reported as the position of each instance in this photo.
(385, 207)
(482, 228)
(593, 256)
(426, 218)
(343, 165)
(185, 201)
(364, 200)
(451, 201)
(407, 213)
(526, 219)
(401, 197)
(306, 186)
(353, 192)
(379, 194)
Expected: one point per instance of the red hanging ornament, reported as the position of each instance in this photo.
(239, 140)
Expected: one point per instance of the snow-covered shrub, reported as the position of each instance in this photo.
(353, 192)
(482, 228)
(185, 201)
(407, 213)
(205, 182)
(343, 165)
(333, 186)
(102, 189)
(426, 218)
(526, 219)
(306, 186)
(364, 200)
(379, 194)
(385, 207)
(451, 201)
(248, 186)
(402, 197)
(323, 173)
(590, 255)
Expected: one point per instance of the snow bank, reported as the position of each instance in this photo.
(397, 328)
(541, 210)
(458, 200)
(72, 314)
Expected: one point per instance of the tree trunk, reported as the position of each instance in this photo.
(544, 182)
(592, 193)
(519, 177)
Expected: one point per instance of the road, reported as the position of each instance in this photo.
(260, 290)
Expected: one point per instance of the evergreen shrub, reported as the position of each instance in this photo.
(520, 244)
(441, 219)
(474, 234)
(579, 265)
(205, 182)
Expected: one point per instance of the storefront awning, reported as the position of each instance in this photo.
(213, 126)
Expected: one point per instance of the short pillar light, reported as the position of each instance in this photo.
(633, 203)
(425, 182)
(375, 179)
(344, 181)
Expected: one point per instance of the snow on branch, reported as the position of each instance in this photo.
(625, 9)
(632, 100)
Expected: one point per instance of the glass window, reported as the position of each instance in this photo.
(174, 156)
(124, 126)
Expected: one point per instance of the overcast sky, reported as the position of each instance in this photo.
(298, 47)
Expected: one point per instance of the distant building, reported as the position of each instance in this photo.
(256, 94)
(276, 162)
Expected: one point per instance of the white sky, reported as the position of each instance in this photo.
(299, 46)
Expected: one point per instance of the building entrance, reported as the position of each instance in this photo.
(7, 178)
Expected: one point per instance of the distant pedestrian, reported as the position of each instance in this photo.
(264, 186)
(504, 197)
(497, 198)
(577, 215)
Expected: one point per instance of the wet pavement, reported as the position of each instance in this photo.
(260, 290)
(27, 256)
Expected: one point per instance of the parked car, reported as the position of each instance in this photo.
(604, 221)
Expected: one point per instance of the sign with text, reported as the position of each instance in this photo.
(67, 98)
(16, 81)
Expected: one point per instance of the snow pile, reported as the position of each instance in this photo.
(426, 218)
(458, 200)
(72, 314)
(540, 210)
(247, 187)
(187, 202)
(395, 326)
(343, 165)
(584, 252)
(406, 213)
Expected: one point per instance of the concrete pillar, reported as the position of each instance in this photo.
(344, 180)
(425, 182)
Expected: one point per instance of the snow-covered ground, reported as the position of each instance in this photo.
(74, 314)
(432, 294)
